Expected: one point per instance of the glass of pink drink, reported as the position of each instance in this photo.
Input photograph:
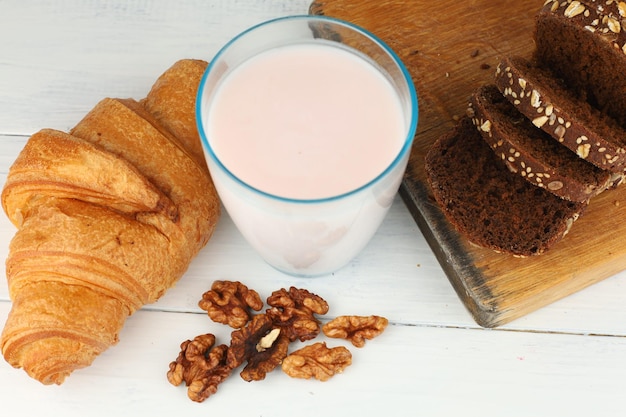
(307, 124)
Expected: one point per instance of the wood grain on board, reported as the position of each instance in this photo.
(451, 48)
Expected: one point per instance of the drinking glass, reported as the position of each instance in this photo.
(308, 236)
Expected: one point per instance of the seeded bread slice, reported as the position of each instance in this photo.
(490, 205)
(585, 43)
(532, 153)
(551, 106)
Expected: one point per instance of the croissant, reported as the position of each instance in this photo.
(108, 218)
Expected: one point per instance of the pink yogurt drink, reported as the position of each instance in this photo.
(307, 143)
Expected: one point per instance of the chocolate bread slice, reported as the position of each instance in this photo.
(532, 153)
(490, 205)
(585, 43)
(551, 106)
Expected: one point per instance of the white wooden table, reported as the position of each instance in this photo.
(59, 58)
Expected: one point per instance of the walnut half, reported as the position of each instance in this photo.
(201, 365)
(230, 302)
(317, 361)
(262, 345)
(294, 312)
(355, 328)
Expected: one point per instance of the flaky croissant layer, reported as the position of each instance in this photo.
(108, 218)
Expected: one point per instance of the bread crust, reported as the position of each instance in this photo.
(531, 153)
(585, 43)
(550, 106)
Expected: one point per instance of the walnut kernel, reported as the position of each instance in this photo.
(260, 345)
(294, 312)
(317, 361)
(229, 302)
(201, 365)
(355, 328)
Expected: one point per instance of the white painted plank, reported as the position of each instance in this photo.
(407, 371)
(10, 147)
(59, 58)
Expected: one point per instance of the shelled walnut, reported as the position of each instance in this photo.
(261, 345)
(294, 311)
(201, 365)
(355, 328)
(230, 302)
(317, 361)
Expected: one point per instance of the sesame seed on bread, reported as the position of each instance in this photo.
(532, 153)
(487, 203)
(585, 43)
(551, 106)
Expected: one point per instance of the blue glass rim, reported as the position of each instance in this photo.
(406, 147)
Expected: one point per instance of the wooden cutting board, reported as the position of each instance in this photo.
(451, 47)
